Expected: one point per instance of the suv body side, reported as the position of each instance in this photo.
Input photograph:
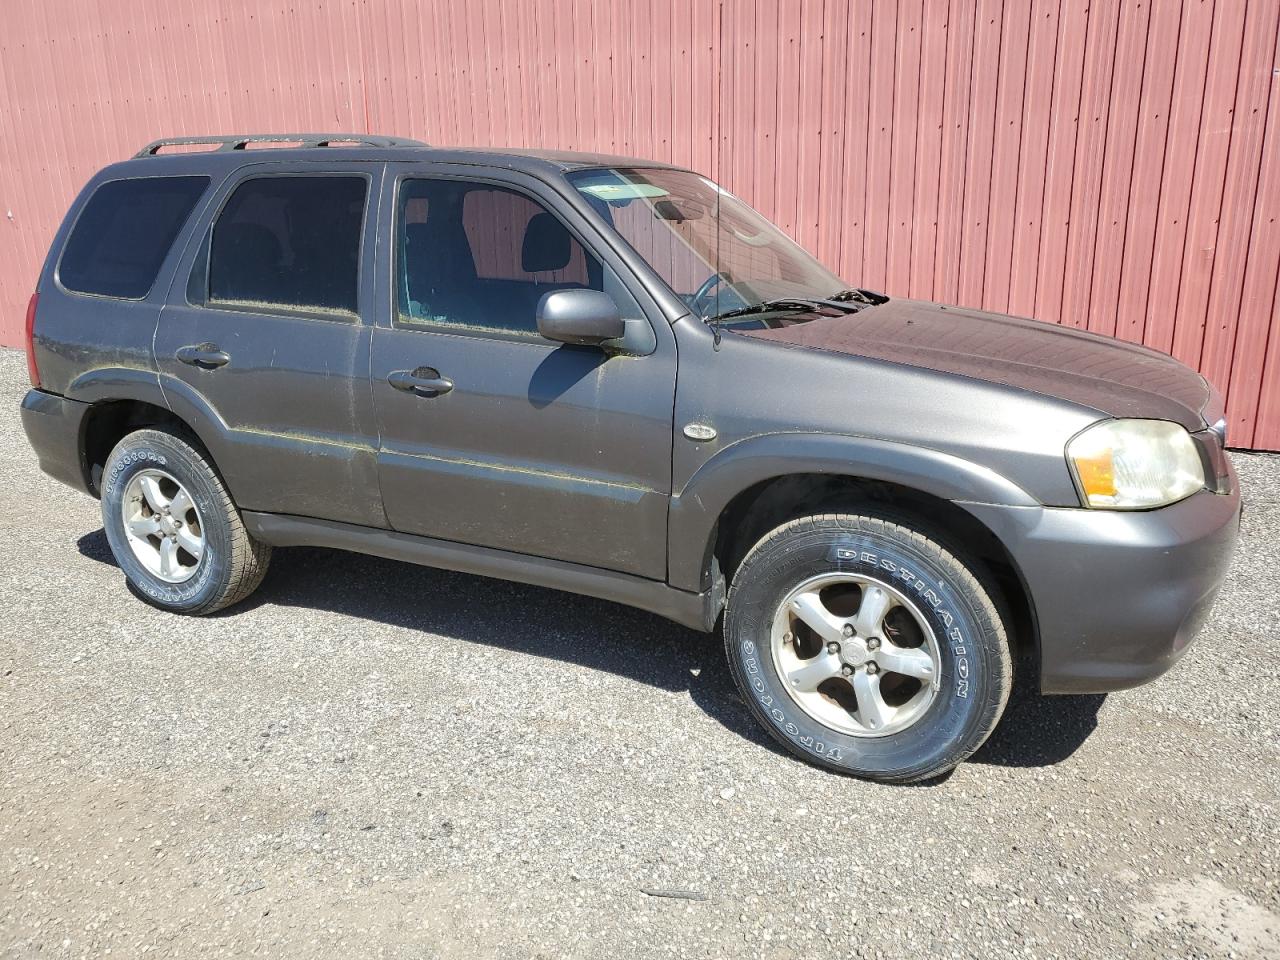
(562, 464)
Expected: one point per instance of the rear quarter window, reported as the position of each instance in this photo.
(124, 233)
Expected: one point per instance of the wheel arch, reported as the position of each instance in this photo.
(121, 401)
(754, 486)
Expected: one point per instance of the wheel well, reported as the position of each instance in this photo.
(107, 423)
(771, 503)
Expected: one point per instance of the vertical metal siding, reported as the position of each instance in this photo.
(1114, 166)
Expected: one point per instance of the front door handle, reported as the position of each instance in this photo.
(204, 355)
(423, 382)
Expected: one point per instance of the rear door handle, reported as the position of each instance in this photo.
(204, 355)
(424, 382)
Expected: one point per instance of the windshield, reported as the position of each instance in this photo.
(713, 250)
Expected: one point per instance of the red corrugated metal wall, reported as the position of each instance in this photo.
(1114, 165)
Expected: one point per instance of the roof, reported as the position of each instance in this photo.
(234, 149)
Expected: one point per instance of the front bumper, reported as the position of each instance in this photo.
(1117, 597)
(53, 425)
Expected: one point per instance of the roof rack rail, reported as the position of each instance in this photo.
(306, 139)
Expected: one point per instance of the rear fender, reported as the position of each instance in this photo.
(146, 386)
(117, 383)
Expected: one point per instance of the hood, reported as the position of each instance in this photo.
(1117, 378)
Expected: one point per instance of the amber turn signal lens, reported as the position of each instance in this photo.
(1097, 476)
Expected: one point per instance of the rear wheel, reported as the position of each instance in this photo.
(173, 528)
(866, 645)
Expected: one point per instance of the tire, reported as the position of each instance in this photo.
(945, 622)
(224, 564)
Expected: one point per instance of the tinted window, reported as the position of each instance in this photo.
(481, 256)
(124, 232)
(290, 242)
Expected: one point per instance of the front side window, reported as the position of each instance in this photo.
(290, 243)
(713, 250)
(124, 233)
(478, 256)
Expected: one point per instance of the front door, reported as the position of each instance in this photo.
(490, 434)
(264, 346)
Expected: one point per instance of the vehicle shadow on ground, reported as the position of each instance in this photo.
(1040, 731)
(596, 634)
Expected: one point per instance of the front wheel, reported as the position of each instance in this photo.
(866, 646)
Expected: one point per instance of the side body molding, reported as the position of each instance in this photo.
(697, 504)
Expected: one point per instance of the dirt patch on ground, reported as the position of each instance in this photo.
(1203, 909)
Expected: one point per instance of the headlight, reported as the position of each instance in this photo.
(1135, 464)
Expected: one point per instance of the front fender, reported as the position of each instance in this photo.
(697, 505)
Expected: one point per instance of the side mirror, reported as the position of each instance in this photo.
(579, 316)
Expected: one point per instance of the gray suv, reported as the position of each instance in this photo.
(612, 377)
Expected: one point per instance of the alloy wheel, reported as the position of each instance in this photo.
(163, 526)
(855, 654)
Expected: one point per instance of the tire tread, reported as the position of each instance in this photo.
(949, 555)
(249, 558)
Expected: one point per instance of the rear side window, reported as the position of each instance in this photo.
(123, 234)
(290, 243)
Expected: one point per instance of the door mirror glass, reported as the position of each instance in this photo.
(579, 316)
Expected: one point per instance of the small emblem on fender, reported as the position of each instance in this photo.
(699, 431)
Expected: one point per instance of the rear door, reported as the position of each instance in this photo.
(266, 335)
(529, 446)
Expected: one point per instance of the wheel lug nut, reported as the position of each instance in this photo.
(873, 668)
(833, 647)
(873, 644)
(847, 670)
(848, 630)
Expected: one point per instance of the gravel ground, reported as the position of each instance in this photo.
(371, 759)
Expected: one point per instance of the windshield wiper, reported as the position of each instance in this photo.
(858, 295)
(782, 303)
